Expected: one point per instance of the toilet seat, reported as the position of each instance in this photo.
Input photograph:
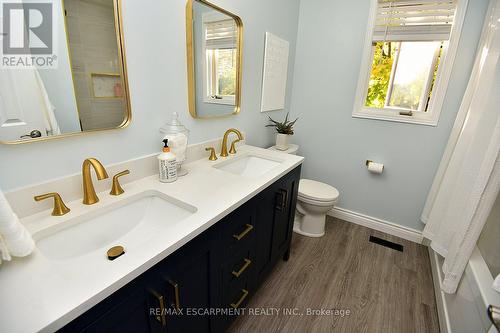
(318, 193)
(317, 203)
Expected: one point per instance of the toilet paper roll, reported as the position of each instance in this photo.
(375, 167)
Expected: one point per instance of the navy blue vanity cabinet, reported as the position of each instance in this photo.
(235, 238)
(189, 284)
(275, 215)
(265, 225)
(219, 270)
(163, 299)
(285, 202)
(124, 311)
(128, 316)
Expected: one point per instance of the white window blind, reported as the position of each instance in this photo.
(221, 34)
(414, 20)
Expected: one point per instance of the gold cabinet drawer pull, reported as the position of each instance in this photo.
(161, 301)
(248, 228)
(243, 268)
(242, 298)
(175, 285)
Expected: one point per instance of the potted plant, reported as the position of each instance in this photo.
(284, 132)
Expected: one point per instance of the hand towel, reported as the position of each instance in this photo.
(178, 144)
(496, 284)
(16, 238)
(4, 252)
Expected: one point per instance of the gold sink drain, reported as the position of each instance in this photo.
(115, 252)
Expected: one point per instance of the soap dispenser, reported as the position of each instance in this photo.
(167, 164)
(177, 135)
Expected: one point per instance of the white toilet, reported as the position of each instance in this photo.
(314, 200)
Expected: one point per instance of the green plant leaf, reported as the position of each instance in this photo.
(285, 127)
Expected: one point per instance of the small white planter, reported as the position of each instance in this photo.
(282, 141)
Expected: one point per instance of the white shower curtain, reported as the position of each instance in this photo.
(47, 109)
(468, 180)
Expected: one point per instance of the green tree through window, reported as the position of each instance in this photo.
(383, 58)
(405, 71)
(226, 72)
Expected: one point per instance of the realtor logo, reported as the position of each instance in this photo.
(28, 35)
(27, 28)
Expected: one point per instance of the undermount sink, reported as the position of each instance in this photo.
(248, 165)
(126, 223)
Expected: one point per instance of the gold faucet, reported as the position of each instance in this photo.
(89, 196)
(223, 152)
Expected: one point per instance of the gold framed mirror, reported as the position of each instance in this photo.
(87, 91)
(214, 39)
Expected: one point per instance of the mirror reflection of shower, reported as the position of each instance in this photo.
(95, 65)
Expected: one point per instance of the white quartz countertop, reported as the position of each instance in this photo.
(42, 294)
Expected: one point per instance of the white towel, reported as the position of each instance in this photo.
(178, 144)
(496, 284)
(4, 251)
(16, 238)
(48, 108)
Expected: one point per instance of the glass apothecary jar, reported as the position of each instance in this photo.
(177, 135)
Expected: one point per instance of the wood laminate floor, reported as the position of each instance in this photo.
(384, 290)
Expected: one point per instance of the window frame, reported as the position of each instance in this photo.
(428, 82)
(208, 71)
(430, 117)
(211, 81)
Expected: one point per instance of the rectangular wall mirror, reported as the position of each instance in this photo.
(214, 42)
(88, 89)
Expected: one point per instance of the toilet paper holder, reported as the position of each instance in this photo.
(376, 168)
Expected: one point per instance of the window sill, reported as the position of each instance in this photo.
(220, 101)
(390, 115)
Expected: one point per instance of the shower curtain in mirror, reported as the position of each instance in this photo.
(468, 179)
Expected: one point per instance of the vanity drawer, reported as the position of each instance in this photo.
(238, 229)
(239, 267)
(238, 274)
(240, 238)
(234, 299)
(237, 295)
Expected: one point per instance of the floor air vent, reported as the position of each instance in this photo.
(386, 243)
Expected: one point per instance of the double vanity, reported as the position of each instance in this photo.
(194, 251)
(130, 253)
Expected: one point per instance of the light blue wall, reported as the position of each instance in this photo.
(329, 48)
(156, 55)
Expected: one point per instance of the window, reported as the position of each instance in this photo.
(221, 56)
(403, 75)
(408, 59)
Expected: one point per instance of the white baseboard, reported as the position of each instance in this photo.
(390, 228)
